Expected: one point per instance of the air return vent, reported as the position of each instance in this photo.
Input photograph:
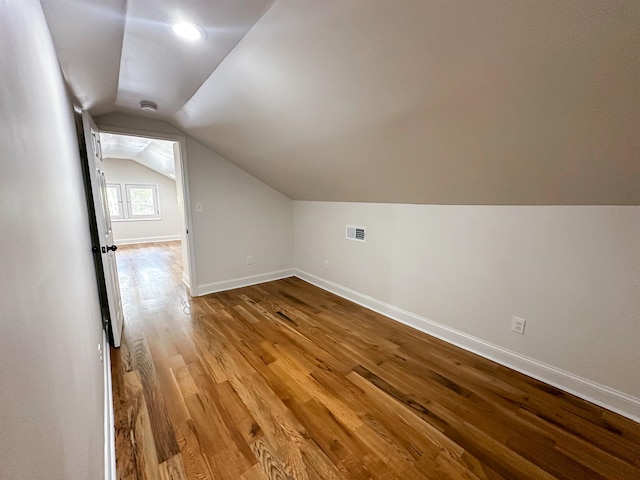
(356, 233)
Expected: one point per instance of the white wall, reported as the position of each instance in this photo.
(241, 215)
(572, 272)
(123, 171)
(51, 379)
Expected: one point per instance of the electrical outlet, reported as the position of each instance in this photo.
(249, 260)
(326, 264)
(517, 325)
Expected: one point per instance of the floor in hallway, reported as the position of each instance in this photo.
(286, 381)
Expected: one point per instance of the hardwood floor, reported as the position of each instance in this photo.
(286, 381)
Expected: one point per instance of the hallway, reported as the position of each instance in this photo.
(286, 381)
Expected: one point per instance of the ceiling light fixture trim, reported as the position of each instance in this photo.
(188, 30)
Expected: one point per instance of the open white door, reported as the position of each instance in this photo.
(107, 248)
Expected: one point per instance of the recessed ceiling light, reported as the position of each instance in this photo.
(148, 106)
(188, 30)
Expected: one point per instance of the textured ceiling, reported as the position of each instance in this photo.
(414, 101)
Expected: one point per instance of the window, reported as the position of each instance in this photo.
(141, 202)
(114, 199)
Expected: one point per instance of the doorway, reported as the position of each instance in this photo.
(148, 194)
(131, 201)
(147, 197)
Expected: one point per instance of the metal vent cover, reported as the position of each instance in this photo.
(357, 233)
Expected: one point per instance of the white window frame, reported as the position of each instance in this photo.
(121, 208)
(126, 215)
(156, 200)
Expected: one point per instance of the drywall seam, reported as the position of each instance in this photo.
(614, 400)
(223, 285)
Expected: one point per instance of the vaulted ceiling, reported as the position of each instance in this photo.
(154, 154)
(413, 101)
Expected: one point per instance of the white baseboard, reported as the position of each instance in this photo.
(186, 281)
(614, 400)
(132, 241)
(221, 286)
(109, 424)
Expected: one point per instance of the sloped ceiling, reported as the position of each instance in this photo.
(413, 101)
(151, 153)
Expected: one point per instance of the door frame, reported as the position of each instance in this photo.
(181, 140)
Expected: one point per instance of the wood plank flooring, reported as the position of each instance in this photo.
(286, 381)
